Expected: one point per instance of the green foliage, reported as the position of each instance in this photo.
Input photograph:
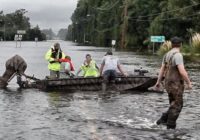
(10, 23)
(48, 33)
(145, 18)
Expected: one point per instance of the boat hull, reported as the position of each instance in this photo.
(141, 83)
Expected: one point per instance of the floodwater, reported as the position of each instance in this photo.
(35, 115)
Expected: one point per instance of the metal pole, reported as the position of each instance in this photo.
(153, 47)
(84, 38)
(4, 32)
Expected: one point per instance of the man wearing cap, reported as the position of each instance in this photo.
(174, 74)
(52, 56)
(109, 66)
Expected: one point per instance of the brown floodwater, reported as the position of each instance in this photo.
(31, 114)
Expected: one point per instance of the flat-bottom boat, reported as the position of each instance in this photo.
(134, 82)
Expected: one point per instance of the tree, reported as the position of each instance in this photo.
(62, 34)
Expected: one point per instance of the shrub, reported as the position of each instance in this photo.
(196, 43)
(165, 47)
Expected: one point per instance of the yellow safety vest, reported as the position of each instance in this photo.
(54, 66)
(90, 70)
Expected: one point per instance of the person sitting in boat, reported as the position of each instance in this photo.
(52, 56)
(89, 67)
(66, 67)
(109, 66)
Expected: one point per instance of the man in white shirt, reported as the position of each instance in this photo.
(109, 66)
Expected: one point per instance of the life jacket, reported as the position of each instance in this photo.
(56, 55)
(50, 56)
(90, 70)
(69, 61)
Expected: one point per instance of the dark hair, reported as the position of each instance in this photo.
(109, 52)
(68, 57)
(88, 55)
(57, 45)
(176, 40)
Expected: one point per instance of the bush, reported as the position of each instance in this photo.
(165, 47)
(196, 43)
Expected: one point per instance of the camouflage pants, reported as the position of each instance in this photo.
(175, 91)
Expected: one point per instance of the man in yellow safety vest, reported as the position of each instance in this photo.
(52, 56)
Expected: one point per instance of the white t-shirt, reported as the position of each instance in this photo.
(110, 62)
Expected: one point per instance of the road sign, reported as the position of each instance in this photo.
(158, 39)
(21, 32)
(113, 42)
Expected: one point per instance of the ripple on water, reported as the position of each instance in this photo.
(32, 114)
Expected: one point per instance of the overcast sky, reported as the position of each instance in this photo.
(47, 14)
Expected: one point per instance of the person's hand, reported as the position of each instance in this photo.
(188, 86)
(57, 60)
(125, 74)
(157, 85)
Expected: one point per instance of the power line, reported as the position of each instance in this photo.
(167, 18)
(113, 5)
(150, 15)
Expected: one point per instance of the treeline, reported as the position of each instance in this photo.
(130, 22)
(10, 23)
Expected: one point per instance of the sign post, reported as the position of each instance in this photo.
(19, 35)
(36, 40)
(113, 44)
(18, 38)
(157, 39)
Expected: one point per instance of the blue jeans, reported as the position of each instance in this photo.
(109, 76)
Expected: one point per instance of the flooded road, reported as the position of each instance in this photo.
(35, 115)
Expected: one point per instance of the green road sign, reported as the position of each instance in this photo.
(158, 39)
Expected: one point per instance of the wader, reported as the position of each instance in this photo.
(174, 86)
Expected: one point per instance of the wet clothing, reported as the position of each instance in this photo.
(174, 85)
(15, 64)
(110, 68)
(54, 66)
(176, 58)
(110, 63)
(109, 76)
(90, 70)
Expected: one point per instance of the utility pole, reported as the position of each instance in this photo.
(124, 25)
(4, 28)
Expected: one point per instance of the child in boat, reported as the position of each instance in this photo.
(66, 67)
(89, 67)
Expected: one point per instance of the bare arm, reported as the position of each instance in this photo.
(97, 67)
(101, 69)
(120, 69)
(78, 72)
(184, 74)
(160, 76)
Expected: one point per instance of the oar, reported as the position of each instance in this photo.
(30, 77)
(11, 77)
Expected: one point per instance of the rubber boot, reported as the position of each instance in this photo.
(171, 126)
(163, 119)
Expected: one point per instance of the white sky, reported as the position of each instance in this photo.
(47, 14)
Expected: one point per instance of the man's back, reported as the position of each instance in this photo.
(110, 62)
